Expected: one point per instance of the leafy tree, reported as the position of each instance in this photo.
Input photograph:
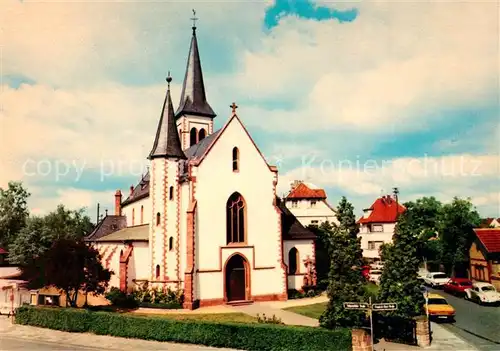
(346, 282)
(398, 282)
(70, 265)
(40, 232)
(323, 249)
(456, 234)
(13, 212)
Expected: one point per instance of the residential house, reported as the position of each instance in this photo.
(484, 256)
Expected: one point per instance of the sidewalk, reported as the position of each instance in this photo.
(442, 340)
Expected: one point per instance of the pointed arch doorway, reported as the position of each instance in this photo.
(237, 279)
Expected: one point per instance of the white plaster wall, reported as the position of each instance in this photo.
(306, 249)
(172, 221)
(185, 203)
(305, 213)
(367, 236)
(138, 264)
(254, 182)
(127, 211)
(158, 195)
(110, 259)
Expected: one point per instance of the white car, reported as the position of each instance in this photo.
(436, 279)
(483, 293)
(375, 275)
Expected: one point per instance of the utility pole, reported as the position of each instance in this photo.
(98, 206)
(395, 191)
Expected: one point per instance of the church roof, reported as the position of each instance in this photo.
(107, 225)
(291, 228)
(199, 149)
(135, 233)
(140, 191)
(193, 98)
(167, 142)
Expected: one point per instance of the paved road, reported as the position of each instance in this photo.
(479, 325)
(14, 344)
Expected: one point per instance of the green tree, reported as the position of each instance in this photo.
(346, 282)
(323, 251)
(13, 212)
(398, 282)
(456, 235)
(69, 265)
(40, 232)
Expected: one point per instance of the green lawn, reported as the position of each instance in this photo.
(313, 311)
(213, 317)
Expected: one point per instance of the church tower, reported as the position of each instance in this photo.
(194, 116)
(165, 158)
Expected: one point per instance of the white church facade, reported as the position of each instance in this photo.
(206, 217)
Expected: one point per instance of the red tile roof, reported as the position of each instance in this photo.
(302, 191)
(2, 251)
(384, 210)
(490, 238)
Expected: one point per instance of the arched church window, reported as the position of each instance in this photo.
(157, 271)
(170, 243)
(142, 214)
(171, 193)
(158, 217)
(235, 219)
(133, 216)
(293, 259)
(236, 159)
(193, 136)
(201, 134)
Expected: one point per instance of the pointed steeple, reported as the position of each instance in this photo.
(193, 99)
(167, 142)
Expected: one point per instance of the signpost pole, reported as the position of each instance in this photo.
(371, 321)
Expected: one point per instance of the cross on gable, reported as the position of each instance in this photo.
(234, 107)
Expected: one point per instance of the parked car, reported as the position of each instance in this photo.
(375, 275)
(457, 286)
(365, 270)
(483, 293)
(436, 279)
(438, 308)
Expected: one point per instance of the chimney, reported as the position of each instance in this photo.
(295, 184)
(131, 190)
(118, 203)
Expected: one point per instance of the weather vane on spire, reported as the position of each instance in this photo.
(194, 19)
(169, 79)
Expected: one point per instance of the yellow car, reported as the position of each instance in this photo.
(438, 308)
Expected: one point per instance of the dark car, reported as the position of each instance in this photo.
(457, 286)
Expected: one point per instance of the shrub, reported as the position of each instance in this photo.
(231, 335)
(269, 320)
(120, 299)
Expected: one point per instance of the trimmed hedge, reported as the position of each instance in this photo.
(237, 335)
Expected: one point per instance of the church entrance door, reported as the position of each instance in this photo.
(236, 279)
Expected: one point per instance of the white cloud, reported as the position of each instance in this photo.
(396, 63)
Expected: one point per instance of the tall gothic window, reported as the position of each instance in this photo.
(235, 217)
(157, 271)
(170, 243)
(158, 217)
(236, 159)
(201, 134)
(193, 136)
(142, 214)
(133, 216)
(293, 259)
(171, 193)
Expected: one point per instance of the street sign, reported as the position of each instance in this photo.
(385, 306)
(356, 305)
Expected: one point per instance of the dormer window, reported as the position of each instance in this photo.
(236, 159)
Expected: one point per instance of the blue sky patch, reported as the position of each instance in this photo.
(305, 9)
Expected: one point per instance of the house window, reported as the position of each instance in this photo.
(375, 245)
(193, 136)
(313, 204)
(236, 159)
(293, 259)
(171, 193)
(314, 222)
(377, 228)
(158, 217)
(142, 214)
(170, 243)
(201, 134)
(133, 216)
(295, 204)
(235, 219)
(157, 271)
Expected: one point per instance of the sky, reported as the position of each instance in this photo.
(355, 97)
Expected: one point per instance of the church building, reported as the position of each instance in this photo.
(205, 218)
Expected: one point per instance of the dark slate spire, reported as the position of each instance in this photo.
(193, 98)
(167, 142)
